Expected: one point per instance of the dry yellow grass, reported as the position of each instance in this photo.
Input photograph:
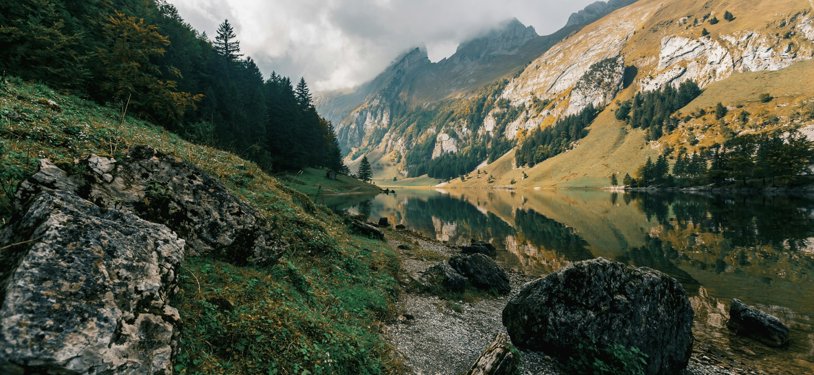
(611, 146)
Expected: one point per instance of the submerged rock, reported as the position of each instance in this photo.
(85, 289)
(166, 190)
(482, 272)
(480, 247)
(500, 358)
(598, 303)
(750, 322)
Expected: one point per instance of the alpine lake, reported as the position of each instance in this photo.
(757, 248)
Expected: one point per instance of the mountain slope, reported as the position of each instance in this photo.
(663, 43)
(374, 118)
(643, 47)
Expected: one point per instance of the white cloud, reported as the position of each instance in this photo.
(341, 43)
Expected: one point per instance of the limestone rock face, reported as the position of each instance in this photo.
(706, 59)
(598, 86)
(86, 289)
(602, 303)
(162, 189)
(748, 321)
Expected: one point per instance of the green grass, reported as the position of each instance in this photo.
(314, 183)
(319, 310)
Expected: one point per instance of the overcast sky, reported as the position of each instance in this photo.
(338, 44)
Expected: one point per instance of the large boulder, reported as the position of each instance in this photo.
(163, 189)
(444, 276)
(601, 304)
(480, 247)
(86, 290)
(366, 230)
(750, 322)
(482, 272)
(500, 358)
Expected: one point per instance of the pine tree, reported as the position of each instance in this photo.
(365, 171)
(646, 173)
(729, 16)
(303, 94)
(661, 170)
(628, 181)
(720, 111)
(226, 43)
(614, 181)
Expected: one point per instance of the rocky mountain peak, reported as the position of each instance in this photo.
(596, 10)
(504, 39)
(416, 56)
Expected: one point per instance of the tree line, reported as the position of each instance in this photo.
(752, 160)
(142, 58)
(653, 110)
(552, 141)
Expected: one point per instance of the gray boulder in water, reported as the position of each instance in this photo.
(598, 303)
(750, 322)
(86, 290)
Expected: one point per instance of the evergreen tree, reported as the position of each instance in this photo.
(661, 170)
(226, 43)
(365, 171)
(729, 16)
(614, 181)
(303, 94)
(628, 181)
(646, 173)
(720, 111)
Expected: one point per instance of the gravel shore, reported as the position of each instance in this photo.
(438, 336)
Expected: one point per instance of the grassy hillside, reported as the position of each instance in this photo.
(314, 182)
(317, 311)
(613, 147)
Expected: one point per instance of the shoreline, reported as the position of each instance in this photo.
(432, 334)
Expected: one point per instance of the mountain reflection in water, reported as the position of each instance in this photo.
(756, 248)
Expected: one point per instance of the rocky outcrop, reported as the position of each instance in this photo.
(85, 289)
(499, 358)
(598, 303)
(482, 272)
(162, 189)
(750, 322)
(443, 275)
(707, 59)
(596, 10)
(598, 86)
(480, 247)
(366, 230)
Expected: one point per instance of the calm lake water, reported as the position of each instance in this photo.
(759, 249)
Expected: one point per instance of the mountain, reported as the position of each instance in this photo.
(736, 51)
(364, 115)
(596, 11)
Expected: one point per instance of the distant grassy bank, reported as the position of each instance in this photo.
(314, 182)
